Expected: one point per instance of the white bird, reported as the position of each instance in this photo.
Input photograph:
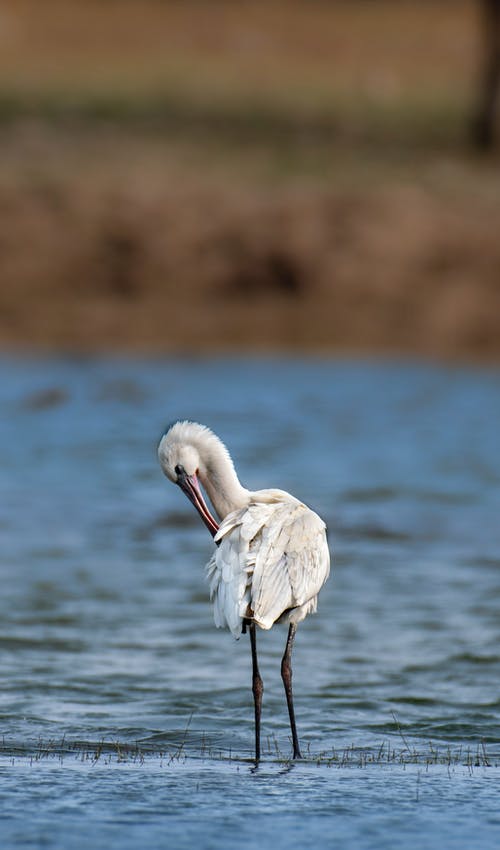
(272, 555)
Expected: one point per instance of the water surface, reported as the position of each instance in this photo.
(126, 714)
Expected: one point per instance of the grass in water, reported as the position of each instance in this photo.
(187, 748)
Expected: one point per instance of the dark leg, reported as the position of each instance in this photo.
(286, 675)
(257, 688)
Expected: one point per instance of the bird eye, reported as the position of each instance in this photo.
(179, 469)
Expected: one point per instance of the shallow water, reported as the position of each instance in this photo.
(126, 717)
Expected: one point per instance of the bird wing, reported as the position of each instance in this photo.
(292, 562)
(272, 556)
(230, 568)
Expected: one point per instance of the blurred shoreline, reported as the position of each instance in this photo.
(197, 178)
(141, 244)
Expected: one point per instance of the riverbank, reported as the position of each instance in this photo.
(150, 244)
(195, 178)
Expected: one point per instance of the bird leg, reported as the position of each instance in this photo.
(257, 689)
(286, 675)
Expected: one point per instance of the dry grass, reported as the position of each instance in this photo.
(307, 59)
(262, 176)
(199, 747)
(111, 246)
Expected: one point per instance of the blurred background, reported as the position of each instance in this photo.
(277, 176)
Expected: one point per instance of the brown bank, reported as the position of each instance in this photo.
(304, 184)
(107, 247)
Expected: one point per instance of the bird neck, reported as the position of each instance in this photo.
(221, 482)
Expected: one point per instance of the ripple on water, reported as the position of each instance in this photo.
(110, 659)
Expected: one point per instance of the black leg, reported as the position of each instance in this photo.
(286, 675)
(257, 688)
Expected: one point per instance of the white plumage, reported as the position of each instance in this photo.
(271, 562)
(271, 558)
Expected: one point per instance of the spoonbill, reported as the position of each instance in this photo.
(271, 558)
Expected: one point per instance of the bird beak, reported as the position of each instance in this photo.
(190, 486)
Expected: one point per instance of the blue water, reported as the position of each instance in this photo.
(126, 717)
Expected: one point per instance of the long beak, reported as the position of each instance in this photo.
(190, 486)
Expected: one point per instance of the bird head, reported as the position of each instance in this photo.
(181, 461)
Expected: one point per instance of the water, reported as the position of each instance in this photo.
(126, 717)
